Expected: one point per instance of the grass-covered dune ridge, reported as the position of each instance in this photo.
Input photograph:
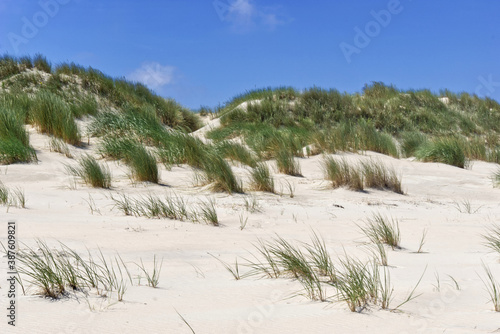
(382, 118)
(35, 92)
(283, 124)
(87, 89)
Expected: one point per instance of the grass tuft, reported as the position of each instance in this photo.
(153, 207)
(14, 139)
(377, 175)
(493, 238)
(411, 141)
(218, 172)
(286, 163)
(91, 172)
(207, 213)
(9, 197)
(445, 150)
(380, 230)
(492, 287)
(52, 115)
(341, 174)
(153, 277)
(496, 177)
(142, 163)
(358, 284)
(235, 152)
(59, 146)
(261, 178)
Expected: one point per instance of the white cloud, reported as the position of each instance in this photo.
(271, 20)
(242, 9)
(153, 75)
(245, 15)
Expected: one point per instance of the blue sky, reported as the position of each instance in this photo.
(205, 52)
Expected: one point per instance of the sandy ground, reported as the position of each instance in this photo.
(206, 295)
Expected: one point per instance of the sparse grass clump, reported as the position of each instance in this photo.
(152, 277)
(59, 146)
(286, 163)
(496, 177)
(178, 148)
(377, 175)
(341, 174)
(57, 272)
(380, 229)
(492, 287)
(4, 194)
(12, 197)
(492, 237)
(116, 148)
(207, 213)
(445, 150)
(170, 207)
(465, 206)
(370, 139)
(218, 172)
(360, 283)
(283, 259)
(320, 258)
(261, 178)
(91, 172)
(235, 152)
(13, 151)
(357, 283)
(252, 204)
(153, 207)
(142, 163)
(370, 174)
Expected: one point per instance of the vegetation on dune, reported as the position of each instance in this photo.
(369, 174)
(55, 272)
(274, 123)
(142, 163)
(14, 139)
(51, 97)
(380, 229)
(286, 162)
(382, 118)
(52, 115)
(218, 172)
(12, 197)
(492, 238)
(446, 150)
(357, 283)
(261, 178)
(341, 174)
(236, 152)
(91, 172)
(170, 207)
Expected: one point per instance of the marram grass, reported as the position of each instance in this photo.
(91, 172)
(261, 178)
(449, 151)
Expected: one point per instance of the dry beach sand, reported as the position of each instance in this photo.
(196, 285)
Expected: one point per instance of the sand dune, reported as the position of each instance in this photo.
(206, 295)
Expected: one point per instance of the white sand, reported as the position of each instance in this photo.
(198, 287)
